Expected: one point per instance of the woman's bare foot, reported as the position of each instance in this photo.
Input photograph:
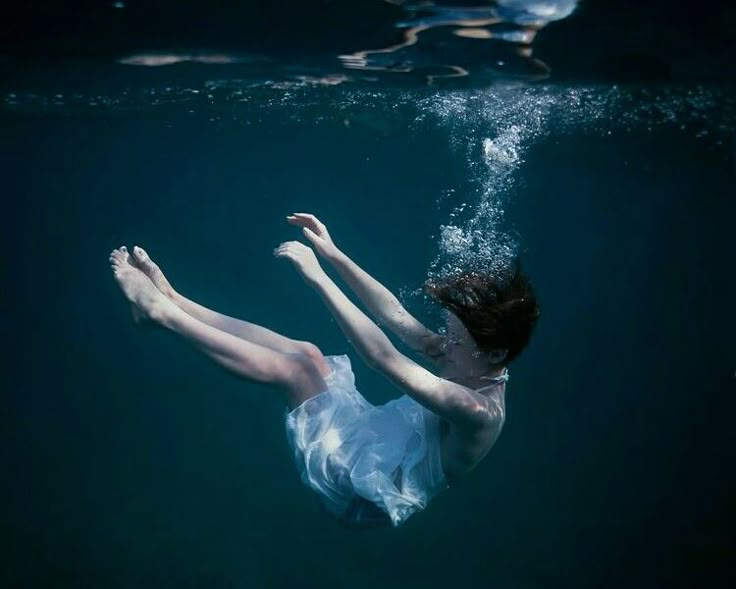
(146, 300)
(143, 261)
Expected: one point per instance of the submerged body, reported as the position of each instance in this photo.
(372, 465)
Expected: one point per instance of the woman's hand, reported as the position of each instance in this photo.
(315, 231)
(303, 259)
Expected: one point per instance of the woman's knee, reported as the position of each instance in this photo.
(301, 377)
(315, 355)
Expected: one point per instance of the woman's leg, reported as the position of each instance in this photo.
(237, 327)
(294, 373)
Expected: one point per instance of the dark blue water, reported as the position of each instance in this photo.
(132, 461)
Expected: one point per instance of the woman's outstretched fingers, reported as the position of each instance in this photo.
(284, 249)
(306, 220)
(303, 258)
(296, 219)
(315, 231)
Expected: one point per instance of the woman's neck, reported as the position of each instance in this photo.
(473, 377)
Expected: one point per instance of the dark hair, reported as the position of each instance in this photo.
(500, 314)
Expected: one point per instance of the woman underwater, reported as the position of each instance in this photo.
(370, 465)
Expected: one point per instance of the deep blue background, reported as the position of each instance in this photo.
(131, 461)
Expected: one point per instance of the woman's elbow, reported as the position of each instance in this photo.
(382, 358)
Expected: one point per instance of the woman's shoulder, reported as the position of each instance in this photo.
(491, 415)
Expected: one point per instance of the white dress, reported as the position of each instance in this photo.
(370, 465)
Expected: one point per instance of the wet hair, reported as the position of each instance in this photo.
(500, 314)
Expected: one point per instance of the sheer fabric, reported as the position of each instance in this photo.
(371, 465)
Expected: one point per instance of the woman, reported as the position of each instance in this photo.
(371, 465)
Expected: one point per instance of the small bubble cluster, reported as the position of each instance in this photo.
(495, 127)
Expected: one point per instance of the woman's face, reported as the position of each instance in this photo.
(460, 348)
(459, 343)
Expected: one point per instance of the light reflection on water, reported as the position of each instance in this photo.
(510, 26)
(437, 41)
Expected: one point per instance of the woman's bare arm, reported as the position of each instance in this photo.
(379, 301)
(450, 401)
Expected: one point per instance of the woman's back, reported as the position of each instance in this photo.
(462, 448)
